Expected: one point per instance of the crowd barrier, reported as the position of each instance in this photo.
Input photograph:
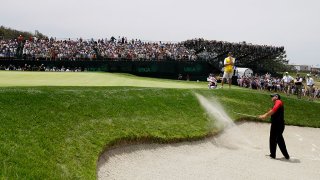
(192, 70)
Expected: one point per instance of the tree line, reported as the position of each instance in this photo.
(9, 33)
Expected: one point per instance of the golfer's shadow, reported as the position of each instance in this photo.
(291, 160)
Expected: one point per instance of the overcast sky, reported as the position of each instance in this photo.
(294, 24)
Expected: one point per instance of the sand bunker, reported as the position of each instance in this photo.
(239, 152)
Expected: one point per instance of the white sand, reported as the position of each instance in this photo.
(237, 153)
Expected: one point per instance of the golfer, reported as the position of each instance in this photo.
(277, 127)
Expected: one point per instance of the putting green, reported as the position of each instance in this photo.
(25, 78)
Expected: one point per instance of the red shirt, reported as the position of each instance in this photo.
(20, 38)
(277, 104)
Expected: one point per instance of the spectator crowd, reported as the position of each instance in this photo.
(300, 86)
(244, 52)
(80, 49)
(121, 48)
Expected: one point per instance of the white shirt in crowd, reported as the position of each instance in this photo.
(310, 81)
(287, 78)
(299, 79)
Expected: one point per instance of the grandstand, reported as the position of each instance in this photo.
(195, 58)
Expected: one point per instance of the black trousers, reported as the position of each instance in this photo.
(277, 138)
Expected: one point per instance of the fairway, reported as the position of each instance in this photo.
(26, 78)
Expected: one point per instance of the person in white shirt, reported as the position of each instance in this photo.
(310, 88)
(287, 80)
(212, 82)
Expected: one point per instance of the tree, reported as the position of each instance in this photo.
(8, 33)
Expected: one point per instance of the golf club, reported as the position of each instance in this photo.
(248, 115)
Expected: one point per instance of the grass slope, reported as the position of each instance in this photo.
(58, 132)
(299, 112)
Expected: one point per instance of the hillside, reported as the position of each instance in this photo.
(9, 33)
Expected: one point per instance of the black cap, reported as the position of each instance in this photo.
(273, 95)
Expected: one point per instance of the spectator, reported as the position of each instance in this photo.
(287, 80)
(228, 69)
(298, 85)
(310, 88)
(212, 82)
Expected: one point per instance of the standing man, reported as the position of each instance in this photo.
(287, 79)
(228, 69)
(20, 46)
(298, 85)
(277, 127)
(310, 88)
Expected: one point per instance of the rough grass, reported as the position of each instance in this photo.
(59, 132)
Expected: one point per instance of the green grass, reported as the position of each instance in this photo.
(25, 78)
(58, 131)
(299, 112)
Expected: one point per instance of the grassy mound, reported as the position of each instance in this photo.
(59, 132)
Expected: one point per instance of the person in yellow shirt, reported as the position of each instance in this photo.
(228, 69)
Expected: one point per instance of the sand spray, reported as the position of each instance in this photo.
(231, 137)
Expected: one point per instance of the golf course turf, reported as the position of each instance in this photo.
(54, 125)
